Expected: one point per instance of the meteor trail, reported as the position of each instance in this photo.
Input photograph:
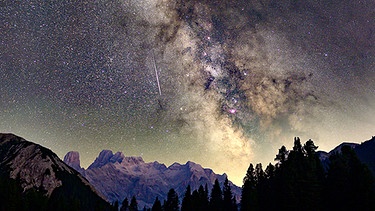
(156, 72)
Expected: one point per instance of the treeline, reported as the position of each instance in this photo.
(299, 182)
(198, 200)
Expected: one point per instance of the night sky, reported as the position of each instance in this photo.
(237, 79)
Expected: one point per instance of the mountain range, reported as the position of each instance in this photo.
(32, 177)
(118, 177)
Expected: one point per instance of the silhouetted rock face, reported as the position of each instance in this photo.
(72, 159)
(117, 177)
(35, 167)
(339, 147)
(365, 152)
(31, 164)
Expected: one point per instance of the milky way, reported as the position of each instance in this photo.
(221, 83)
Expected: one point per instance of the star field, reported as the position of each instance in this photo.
(237, 79)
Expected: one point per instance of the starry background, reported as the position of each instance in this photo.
(238, 79)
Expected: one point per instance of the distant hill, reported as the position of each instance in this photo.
(117, 177)
(32, 177)
(365, 152)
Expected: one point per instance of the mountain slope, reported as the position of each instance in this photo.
(35, 171)
(117, 177)
(365, 153)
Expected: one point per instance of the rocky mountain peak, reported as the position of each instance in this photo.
(117, 177)
(175, 166)
(103, 158)
(72, 159)
(194, 166)
(133, 160)
(107, 156)
(31, 164)
(6, 137)
(118, 157)
(34, 167)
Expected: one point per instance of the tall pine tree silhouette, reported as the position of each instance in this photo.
(187, 200)
(229, 202)
(298, 182)
(172, 201)
(125, 205)
(249, 196)
(313, 178)
(157, 205)
(266, 189)
(350, 185)
(216, 199)
(199, 199)
(133, 204)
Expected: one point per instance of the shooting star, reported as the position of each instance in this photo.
(156, 73)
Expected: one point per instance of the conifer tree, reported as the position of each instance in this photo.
(186, 201)
(196, 201)
(266, 189)
(157, 205)
(199, 199)
(216, 200)
(299, 178)
(349, 183)
(133, 204)
(282, 155)
(270, 171)
(125, 205)
(228, 203)
(172, 201)
(291, 176)
(313, 178)
(234, 204)
(262, 188)
(249, 198)
(205, 192)
(310, 148)
(297, 145)
(115, 206)
(146, 209)
(259, 173)
(298, 182)
(204, 196)
(163, 206)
